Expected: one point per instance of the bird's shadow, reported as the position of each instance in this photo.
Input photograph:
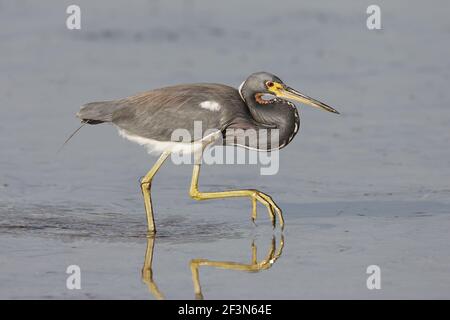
(273, 254)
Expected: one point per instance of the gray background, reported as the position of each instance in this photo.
(368, 187)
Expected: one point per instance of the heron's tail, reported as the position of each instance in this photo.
(98, 112)
(94, 113)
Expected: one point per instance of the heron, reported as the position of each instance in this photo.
(261, 103)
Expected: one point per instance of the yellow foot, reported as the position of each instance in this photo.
(271, 206)
(253, 194)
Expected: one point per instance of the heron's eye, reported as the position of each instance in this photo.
(269, 84)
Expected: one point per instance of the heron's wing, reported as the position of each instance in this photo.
(158, 113)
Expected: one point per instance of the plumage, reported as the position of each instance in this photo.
(151, 117)
(158, 113)
(204, 112)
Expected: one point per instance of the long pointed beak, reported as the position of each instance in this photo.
(292, 94)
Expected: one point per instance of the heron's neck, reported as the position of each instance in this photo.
(279, 114)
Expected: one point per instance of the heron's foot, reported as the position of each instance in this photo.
(255, 195)
(271, 206)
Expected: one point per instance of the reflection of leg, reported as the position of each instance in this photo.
(196, 280)
(254, 195)
(254, 253)
(146, 184)
(266, 263)
(147, 272)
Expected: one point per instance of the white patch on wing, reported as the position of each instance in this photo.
(210, 105)
(156, 147)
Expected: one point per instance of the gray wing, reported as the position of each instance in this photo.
(156, 114)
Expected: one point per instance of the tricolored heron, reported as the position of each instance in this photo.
(150, 118)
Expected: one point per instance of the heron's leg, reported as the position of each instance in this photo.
(253, 194)
(146, 184)
(147, 271)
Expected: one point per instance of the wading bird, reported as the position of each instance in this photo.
(150, 118)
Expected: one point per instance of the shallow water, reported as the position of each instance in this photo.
(368, 187)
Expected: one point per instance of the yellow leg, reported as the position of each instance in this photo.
(147, 271)
(146, 185)
(254, 195)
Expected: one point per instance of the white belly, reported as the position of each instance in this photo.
(157, 147)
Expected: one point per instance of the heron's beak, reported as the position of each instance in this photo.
(289, 93)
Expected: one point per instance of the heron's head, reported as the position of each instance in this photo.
(261, 84)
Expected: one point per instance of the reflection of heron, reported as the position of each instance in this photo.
(151, 118)
(255, 266)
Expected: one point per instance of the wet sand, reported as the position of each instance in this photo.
(368, 187)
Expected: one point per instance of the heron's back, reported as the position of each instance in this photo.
(156, 114)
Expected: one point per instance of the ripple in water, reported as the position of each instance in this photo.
(77, 222)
